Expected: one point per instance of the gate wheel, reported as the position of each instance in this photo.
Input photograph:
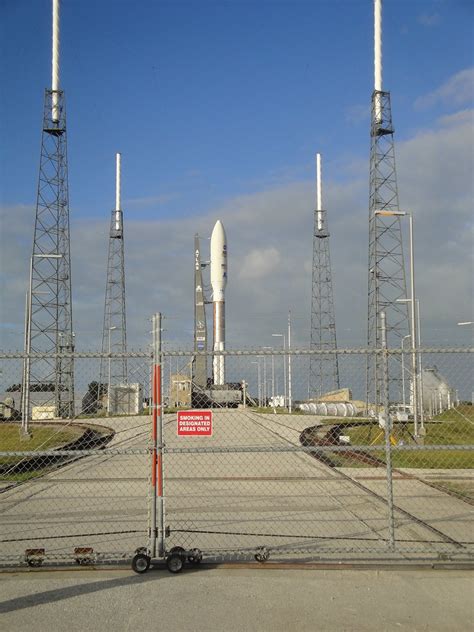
(195, 557)
(175, 563)
(141, 549)
(176, 549)
(262, 554)
(34, 563)
(140, 563)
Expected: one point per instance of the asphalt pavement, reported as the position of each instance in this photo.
(238, 598)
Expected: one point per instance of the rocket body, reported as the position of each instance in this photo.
(218, 284)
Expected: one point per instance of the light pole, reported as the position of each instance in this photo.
(418, 379)
(420, 369)
(403, 371)
(259, 396)
(289, 362)
(109, 373)
(284, 364)
(410, 300)
(265, 388)
(273, 376)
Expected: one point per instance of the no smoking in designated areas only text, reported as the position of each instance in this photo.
(196, 423)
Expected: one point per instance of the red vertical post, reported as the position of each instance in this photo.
(157, 514)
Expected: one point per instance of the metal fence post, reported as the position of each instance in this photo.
(388, 431)
(157, 516)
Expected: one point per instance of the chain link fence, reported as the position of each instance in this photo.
(274, 467)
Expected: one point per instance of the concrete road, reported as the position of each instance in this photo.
(239, 599)
(245, 492)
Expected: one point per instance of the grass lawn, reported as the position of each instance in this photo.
(453, 427)
(43, 437)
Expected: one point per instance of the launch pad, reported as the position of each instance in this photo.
(217, 396)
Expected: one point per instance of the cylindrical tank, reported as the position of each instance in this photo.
(332, 409)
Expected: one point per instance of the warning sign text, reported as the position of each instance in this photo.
(197, 423)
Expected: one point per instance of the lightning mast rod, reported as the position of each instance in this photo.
(378, 45)
(55, 62)
(117, 182)
(319, 193)
(118, 206)
(378, 58)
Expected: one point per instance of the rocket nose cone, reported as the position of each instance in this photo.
(218, 230)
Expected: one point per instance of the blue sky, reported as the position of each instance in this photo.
(218, 109)
(212, 99)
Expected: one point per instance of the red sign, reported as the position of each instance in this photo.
(195, 423)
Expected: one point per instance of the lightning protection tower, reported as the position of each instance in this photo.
(48, 323)
(113, 371)
(323, 368)
(387, 281)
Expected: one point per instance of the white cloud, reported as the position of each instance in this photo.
(259, 263)
(270, 252)
(458, 90)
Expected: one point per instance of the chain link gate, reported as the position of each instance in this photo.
(317, 486)
(74, 490)
(312, 484)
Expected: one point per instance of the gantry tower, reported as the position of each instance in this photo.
(113, 371)
(387, 280)
(48, 323)
(200, 325)
(323, 367)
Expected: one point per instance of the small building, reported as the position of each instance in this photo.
(180, 391)
(125, 399)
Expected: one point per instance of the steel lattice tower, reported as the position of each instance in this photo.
(113, 371)
(48, 322)
(49, 317)
(387, 279)
(323, 368)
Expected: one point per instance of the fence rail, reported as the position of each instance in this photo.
(360, 482)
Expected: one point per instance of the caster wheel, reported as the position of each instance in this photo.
(176, 549)
(195, 557)
(262, 554)
(34, 563)
(140, 563)
(175, 563)
(141, 549)
(83, 561)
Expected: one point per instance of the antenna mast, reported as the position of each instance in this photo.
(386, 282)
(49, 310)
(323, 368)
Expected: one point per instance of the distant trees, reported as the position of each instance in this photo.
(92, 400)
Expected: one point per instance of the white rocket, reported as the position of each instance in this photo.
(218, 283)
